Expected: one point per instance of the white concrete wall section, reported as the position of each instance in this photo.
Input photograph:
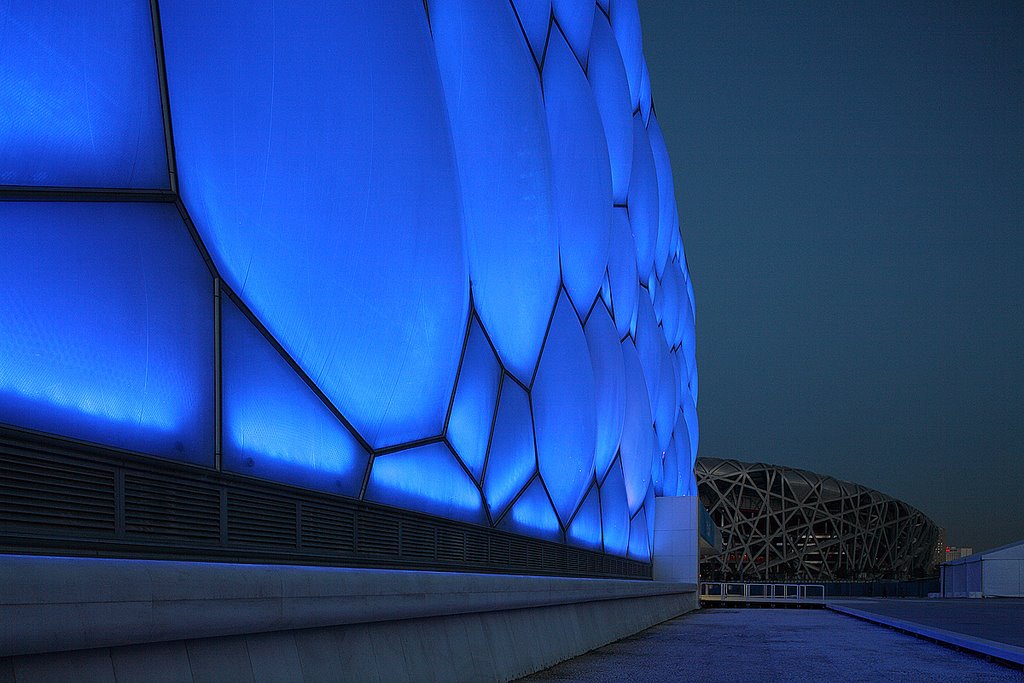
(675, 539)
(95, 619)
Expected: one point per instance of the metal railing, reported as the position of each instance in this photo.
(762, 593)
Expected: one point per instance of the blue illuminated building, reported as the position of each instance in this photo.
(422, 255)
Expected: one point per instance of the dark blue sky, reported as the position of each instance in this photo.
(851, 189)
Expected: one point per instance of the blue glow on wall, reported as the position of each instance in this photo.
(275, 427)
(615, 512)
(643, 201)
(476, 394)
(609, 386)
(504, 159)
(576, 17)
(611, 91)
(533, 515)
(585, 529)
(429, 479)
(106, 327)
(565, 386)
(512, 458)
(625, 288)
(580, 171)
(534, 15)
(371, 185)
(79, 96)
(332, 213)
(636, 447)
(638, 547)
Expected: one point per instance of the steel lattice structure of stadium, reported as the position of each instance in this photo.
(783, 524)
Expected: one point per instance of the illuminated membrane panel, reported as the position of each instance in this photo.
(418, 254)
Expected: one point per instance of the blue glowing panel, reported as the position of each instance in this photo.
(658, 472)
(648, 346)
(106, 327)
(637, 444)
(615, 512)
(692, 426)
(606, 292)
(426, 478)
(643, 201)
(532, 514)
(585, 530)
(315, 158)
(681, 441)
(622, 272)
(645, 95)
(469, 426)
(580, 173)
(501, 143)
(649, 515)
(609, 386)
(670, 303)
(667, 397)
(690, 486)
(625, 17)
(79, 96)
(576, 17)
(565, 386)
(275, 427)
(666, 195)
(671, 470)
(611, 91)
(638, 547)
(535, 16)
(512, 459)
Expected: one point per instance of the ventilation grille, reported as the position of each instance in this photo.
(57, 496)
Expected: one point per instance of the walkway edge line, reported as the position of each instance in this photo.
(980, 646)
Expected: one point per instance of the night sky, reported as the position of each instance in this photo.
(851, 190)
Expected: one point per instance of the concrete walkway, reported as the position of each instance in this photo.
(724, 644)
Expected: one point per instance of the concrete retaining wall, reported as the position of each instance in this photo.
(105, 620)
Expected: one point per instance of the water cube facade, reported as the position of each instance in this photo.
(419, 253)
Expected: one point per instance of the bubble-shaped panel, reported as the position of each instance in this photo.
(622, 272)
(79, 96)
(532, 514)
(535, 16)
(692, 427)
(339, 226)
(681, 441)
(638, 547)
(504, 158)
(666, 195)
(512, 459)
(585, 529)
(611, 91)
(637, 444)
(426, 478)
(625, 16)
(565, 386)
(648, 346)
(609, 386)
(615, 512)
(649, 515)
(643, 201)
(667, 397)
(576, 17)
(469, 426)
(275, 427)
(671, 470)
(658, 472)
(645, 94)
(668, 301)
(106, 327)
(580, 174)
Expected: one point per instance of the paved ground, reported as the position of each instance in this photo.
(724, 644)
(1001, 620)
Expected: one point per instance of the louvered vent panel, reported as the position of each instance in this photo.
(330, 529)
(171, 509)
(500, 552)
(451, 545)
(376, 536)
(418, 541)
(50, 496)
(476, 547)
(260, 520)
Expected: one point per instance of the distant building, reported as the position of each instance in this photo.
(784, 524)
(954, 553)
(996, 573)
